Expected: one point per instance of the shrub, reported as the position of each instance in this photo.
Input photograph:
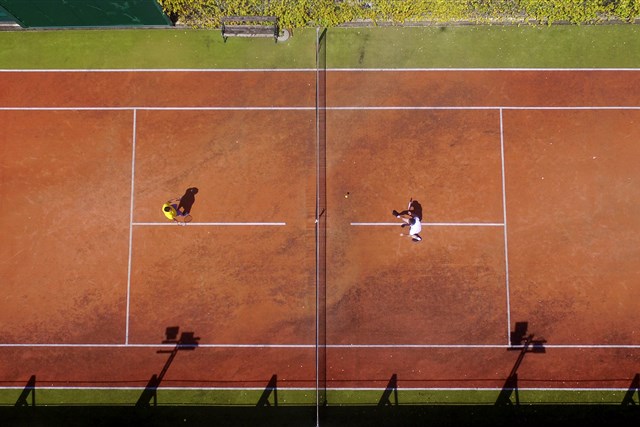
(301, 13)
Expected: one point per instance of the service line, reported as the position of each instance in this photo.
(212, 224)
(434, 224)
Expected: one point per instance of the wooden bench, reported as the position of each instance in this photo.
(249, 26)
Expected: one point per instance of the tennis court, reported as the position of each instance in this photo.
(284, 291)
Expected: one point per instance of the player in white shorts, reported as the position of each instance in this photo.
(412, 217)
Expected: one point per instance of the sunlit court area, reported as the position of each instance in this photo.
(323, 226)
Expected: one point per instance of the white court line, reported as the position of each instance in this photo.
(411, 389)
(338, 108)
(160, 70)
(471, 346)
(190, 224)
(477, 69)
(434, 224)
(289, 70)
(504, 213)
(133, 175)
(148, 108)
(574, 107)
(483, 107)
(129, 345)
(334, 346)
(338, 389)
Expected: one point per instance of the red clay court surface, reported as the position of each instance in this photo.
(529, 184)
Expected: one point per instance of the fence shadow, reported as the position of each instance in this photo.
(270, 389)
(29, 389)
(187, 341)
(525, 342)
(391, 389)
(633, 389)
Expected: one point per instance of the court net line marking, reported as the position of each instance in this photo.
(173, 224)
(335, 346)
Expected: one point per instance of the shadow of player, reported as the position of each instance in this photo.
(413, 210)
(187, 201)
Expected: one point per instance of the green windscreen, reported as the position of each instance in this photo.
(5, 17)
(85, 13)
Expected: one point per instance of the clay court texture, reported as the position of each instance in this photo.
(292, 284)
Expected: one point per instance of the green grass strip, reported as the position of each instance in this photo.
(171, 48)
(287, 397)
(165, 397)
(563, 46)
(476, 397)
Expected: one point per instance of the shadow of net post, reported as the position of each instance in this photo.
(270, 389)
(187, 341)
(633, 389)
(519, 340)
(391, 389)
(29, 389)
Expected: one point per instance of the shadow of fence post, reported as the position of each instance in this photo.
(392, 388)
(271, 388)
(29, 389)
(187, 341)
(510, 387)
(633, 389)
(518, 338)
(149, 392)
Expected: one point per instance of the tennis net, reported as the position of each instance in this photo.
(321, 217)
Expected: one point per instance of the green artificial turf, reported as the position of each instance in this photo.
(610, 46)
(563, 46)
(288, 397)
(144, 49)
